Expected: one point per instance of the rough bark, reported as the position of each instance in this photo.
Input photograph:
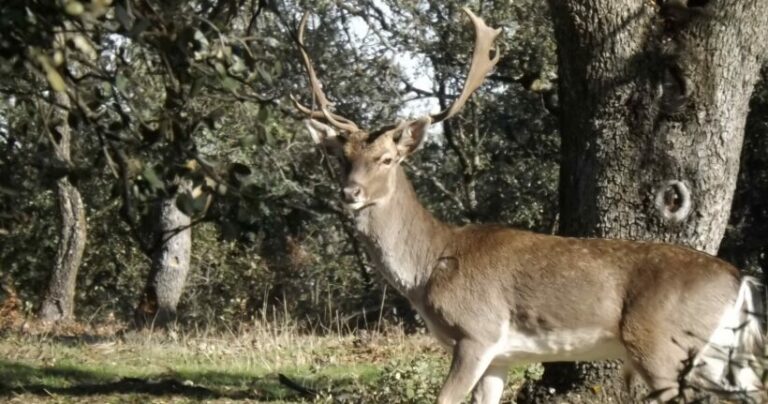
(170, 264)
(744, 243)
(59, 299)
(654, 102)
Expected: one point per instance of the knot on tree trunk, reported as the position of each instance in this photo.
(673, 201)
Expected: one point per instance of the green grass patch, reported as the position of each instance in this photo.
(142, 367)
(244, 367)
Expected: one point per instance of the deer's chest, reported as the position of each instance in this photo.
(444, 335)
(399, 267)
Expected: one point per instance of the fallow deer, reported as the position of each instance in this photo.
(497, 296)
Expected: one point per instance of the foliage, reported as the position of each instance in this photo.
(411, 381)
(198, 90)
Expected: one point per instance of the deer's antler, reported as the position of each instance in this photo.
(482, 63)
(317, 90)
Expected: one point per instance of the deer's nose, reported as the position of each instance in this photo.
(352, 192)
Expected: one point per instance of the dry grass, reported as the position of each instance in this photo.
(90, 364)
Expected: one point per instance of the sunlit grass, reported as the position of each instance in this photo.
(201, 366)
(243, 365)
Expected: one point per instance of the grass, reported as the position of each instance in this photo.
(235, 366)
(242, 366)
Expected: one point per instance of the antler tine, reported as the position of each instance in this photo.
(340, 120)
(480, 66)
(317, 91)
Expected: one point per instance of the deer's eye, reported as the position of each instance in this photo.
(386, 161)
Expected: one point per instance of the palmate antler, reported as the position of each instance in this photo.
(481, 64)
(317, 91)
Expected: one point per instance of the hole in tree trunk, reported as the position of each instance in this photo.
(673, 201)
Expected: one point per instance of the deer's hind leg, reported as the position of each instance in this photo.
(659, 374)
(658, 354)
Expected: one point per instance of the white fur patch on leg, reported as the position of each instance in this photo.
(731, 359)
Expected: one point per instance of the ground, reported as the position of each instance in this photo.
(78, 365)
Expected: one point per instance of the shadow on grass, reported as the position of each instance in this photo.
(18, 378)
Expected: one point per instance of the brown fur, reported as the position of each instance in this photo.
(660, 301)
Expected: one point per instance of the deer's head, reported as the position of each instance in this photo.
(368, 159)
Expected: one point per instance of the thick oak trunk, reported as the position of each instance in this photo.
(59, 299)
(654, 101)
(170, 265)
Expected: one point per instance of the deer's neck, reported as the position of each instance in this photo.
(404, 239)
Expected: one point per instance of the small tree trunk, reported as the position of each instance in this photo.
(59, 299)
(654, 101)
(170, 265)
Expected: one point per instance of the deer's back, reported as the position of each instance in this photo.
(557, 283)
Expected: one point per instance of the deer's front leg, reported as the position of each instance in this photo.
(469, 363)
(491, 385)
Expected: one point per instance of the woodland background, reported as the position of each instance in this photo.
(153, 171)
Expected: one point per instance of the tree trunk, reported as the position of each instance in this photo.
(744, 243)
(654, 102)
(170, 264)
(59, 299)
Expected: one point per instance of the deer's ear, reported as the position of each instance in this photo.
(324, 136)
(412, 136)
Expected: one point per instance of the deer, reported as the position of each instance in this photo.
(495, 296)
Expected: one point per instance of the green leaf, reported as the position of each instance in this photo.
(221, 189)
(154, 181)
(247, 140)
(269, 137)
(74, 8)
(54, 79)
(219, 67)
(106, 89)
(237, 66)
(229, 84)
(264, 74)
(121, 82)
(263, 115)
(200, 38)
(197, 85)
(409, 393)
